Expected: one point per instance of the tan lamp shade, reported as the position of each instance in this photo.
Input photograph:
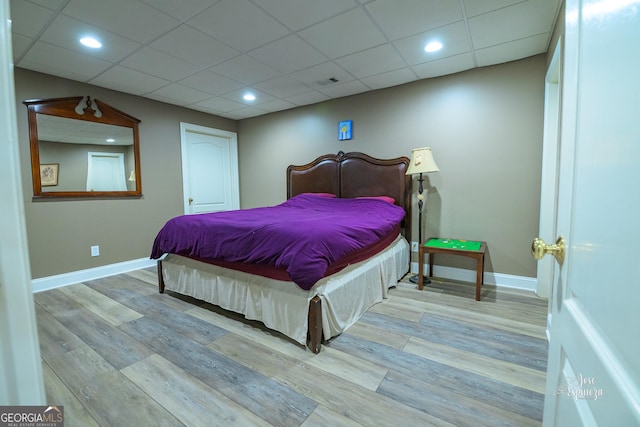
(422, 161)
(132, 176)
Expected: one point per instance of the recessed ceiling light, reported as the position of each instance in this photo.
(110, 140)
(433, 47)
(249, 97)
(91, 42)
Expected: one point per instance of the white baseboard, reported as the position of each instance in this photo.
(52, 282)
(57, 281)
(490, 278)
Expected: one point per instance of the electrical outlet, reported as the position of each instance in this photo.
(95, 250)
(414, 246)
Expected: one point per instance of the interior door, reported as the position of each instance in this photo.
(106, 172)
(209, 169)
(594, 370)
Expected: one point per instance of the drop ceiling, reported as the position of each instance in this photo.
(206, 54)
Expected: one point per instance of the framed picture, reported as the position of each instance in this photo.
(345, 130)
(49, 174)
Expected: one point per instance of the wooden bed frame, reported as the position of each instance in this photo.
(345, 175)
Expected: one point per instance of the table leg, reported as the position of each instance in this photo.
(431, 256)
(479, 276)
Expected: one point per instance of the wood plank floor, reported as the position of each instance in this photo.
(117, 353)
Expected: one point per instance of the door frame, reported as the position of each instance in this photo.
(550, 173)
(20, 364)
(233, 152)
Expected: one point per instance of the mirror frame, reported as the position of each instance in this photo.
(66, 108)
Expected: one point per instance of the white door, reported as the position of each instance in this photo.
(106, 172)
(593, 374)
(209, 169)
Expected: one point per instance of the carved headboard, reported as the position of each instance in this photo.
(355, 175)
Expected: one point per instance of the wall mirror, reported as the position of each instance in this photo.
(83, 148)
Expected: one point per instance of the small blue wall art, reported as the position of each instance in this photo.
(345, 130)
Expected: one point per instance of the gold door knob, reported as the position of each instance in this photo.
(190, 201)
(539, 249)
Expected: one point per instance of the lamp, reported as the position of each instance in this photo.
(132, 176)
(421, 162)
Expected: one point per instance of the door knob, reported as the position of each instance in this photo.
(190, 201)
(539, 249)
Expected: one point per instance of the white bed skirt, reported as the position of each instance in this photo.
(283, 306)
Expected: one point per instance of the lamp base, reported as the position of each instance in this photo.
(415, 278)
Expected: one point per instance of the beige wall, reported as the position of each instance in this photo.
(485, 129)
(60, 233)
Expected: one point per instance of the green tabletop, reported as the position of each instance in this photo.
(466, 245)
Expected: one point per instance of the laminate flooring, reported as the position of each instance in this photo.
(115, 352)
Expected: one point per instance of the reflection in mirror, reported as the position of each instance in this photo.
(79, 151)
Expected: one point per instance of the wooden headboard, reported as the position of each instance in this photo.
(355, 175)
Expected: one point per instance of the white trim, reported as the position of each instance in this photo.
(463, 275)
(60, 280)
(498, 279)
(20, 363)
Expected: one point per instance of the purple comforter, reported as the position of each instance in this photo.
(303, 235)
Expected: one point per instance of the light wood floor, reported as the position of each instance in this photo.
(117, 353)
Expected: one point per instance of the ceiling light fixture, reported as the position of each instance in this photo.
(110, 140)
(249, 97)
(433, 47)
(91, 42)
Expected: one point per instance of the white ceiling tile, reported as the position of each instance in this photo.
(66, 32)
(298, 14)
(288, 54)
(508, 51)
(159, 64)
(282, 87)
(211, 82)
(442, 67)
(402, 18)
(242, 24)
(127, 18)
(344, 89)
(313, 75)
(27, 18)
(453, 37)
(209, 110)
(49, 4)
(261, 97)
(182, 10)
(392, 78)
(475, 7)
(194, 46)
(307, 98)
(178, 95)
(372, 61)
(57, 61)
(245, 69)
(220, 104)
(20, 44)
(277, 105)
(512, 23)
(246, 112)
(346, 33)
(128, 80)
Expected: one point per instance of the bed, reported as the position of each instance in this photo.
(299, 302)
